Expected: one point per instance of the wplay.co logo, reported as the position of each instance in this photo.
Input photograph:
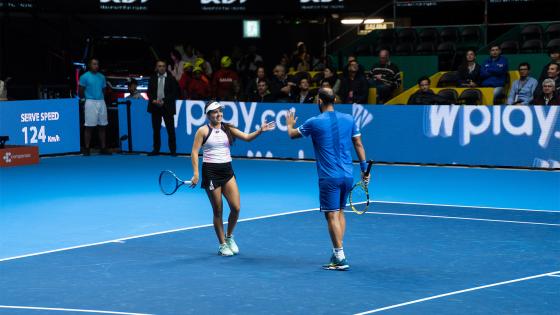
(7, 157)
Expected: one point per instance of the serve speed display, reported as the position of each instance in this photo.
(52, 125)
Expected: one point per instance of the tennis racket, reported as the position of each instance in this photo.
(359, 195)
(169, 183)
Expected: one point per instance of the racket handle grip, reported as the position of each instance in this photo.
(370, 164)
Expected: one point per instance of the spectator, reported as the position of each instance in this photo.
(298, 55)
(351, 58)
(92, 94)
(285, 61)
(425, 96)
(305, 63)
(175, 64)
(4, 89)
(185, 79)
(215, 58)
(163, 91)
(553, 72)
(225, 84)
(320, 64)
(548, 95)
(330, 75)
(304, 95)
(133, 90)
(469, 71)
(554, 55)
(199, 87)
(189, 55)
(252, 87)
(494, 71)
(205, 65)
(280, 87)
(521, 92)
(263, 94)
(250, 62)
(354, 86)
(386, 77)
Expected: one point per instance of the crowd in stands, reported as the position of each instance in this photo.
(493, 73)
(244, 77)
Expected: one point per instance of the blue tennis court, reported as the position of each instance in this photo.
(95, 235)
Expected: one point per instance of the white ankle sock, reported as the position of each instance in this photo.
(339, 253)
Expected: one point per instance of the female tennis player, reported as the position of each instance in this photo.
(218, 178)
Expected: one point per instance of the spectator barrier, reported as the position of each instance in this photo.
(504, 136)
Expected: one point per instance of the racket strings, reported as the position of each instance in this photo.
(168, 182)
(359, 199)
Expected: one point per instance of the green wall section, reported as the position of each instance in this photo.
(413, 67)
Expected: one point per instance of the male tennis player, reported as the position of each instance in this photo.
(333, 134)
(218, 177)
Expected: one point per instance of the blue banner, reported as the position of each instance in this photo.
(52, 125)
(514, 136)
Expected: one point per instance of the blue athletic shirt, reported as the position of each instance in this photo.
(332, 133)
(93, 85)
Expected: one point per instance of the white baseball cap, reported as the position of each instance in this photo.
(212, 106)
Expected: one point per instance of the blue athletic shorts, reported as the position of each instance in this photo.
(334, 192)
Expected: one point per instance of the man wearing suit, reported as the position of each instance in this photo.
(163, 91)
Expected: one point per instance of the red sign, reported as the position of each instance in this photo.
(13, 155)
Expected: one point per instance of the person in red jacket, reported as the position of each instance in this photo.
(199, 88)
(186, 77)
(225, 82)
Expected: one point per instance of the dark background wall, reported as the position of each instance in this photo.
(38, 44)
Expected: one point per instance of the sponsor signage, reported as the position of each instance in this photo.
(510, 136)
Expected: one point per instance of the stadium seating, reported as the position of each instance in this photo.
(449, 94)
(470, 97)
(532, 46)
(531, 31)
(448, 79)
(553, 31)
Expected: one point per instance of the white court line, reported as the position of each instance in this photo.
(286, 213)
(557, 276)
(457, 218)
(457, 292)
(464, 206)
(120, 240)
(66, 310)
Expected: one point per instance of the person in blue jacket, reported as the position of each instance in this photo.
(494, 71)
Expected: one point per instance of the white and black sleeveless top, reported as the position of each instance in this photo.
(216, 147)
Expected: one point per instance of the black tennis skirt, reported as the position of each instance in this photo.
(215, 175)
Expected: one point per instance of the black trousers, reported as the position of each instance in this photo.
(157, 115)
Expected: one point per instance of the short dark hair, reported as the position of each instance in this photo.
(262, 81)
(496, 45)
(326, 95)
(161, 60)
(132, 81)
(554, 50)
(92, 59)
(526, 64)
(424, 78)
(554, 64)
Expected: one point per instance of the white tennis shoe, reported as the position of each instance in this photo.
(232, 245)
(224, 250)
